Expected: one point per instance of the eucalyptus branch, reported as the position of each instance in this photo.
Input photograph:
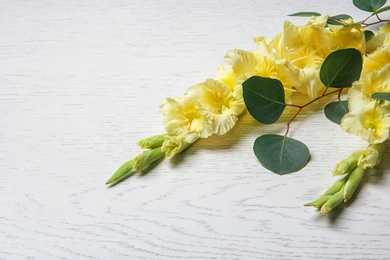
(300, 107)
(365, 23)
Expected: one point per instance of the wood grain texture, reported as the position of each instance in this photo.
(80, 84)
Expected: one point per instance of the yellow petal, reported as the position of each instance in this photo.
(219, 104)
(377, 59)
(182, 118)
(242, 62)
(372, 123)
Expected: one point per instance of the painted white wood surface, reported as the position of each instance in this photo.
(80, 84)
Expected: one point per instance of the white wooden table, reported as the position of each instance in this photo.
(81, 83)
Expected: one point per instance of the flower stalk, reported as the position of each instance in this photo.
(153, 152)
(156, 147)
(354, 168)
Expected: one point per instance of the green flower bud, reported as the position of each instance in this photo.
(336, 187)
(146, 158)
(174, 145)
(319, 202)
(138, 163)
(122, 171)
(370, 156)
(152, 142)
(332, 202)
(345, 166)
(353, 182)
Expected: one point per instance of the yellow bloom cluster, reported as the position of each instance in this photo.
(293, 56)
(211, 107)
(370, 118)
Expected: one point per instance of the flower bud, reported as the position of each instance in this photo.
(345, 166)
(353, 182)
(146, 158)
(122, 171)
(332, 202)
(336, 187)
(174, 145)
(152, 142)
(319, 202)
(370, 156)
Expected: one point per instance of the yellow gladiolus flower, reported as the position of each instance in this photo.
(242, 62)
(356, 99)
(380, 39)
(295, 55)
(377, 60)
(228, 77)
(375, 81)
(372, 123)
(282, 70)
(343, 37)
(181, 118)
(218, 103)
(310, 82)
(322, 41)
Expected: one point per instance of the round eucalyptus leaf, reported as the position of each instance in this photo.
(384, 9)
(305, 14)
(369, 5)
(341, 68)
(337, 19)
(381, 96)
(281, 154)
(368, 35)
(264, 98)
(335, 111)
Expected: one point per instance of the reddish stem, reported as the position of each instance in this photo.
(365, 24)
(300, 107)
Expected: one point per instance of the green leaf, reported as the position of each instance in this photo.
(384, 9)
(337, 19)
(341, 68)
(264, 98)
(381, 96)
(369, 5)
(368, 35)
(281, 154)
(305, 14)
(335, 111)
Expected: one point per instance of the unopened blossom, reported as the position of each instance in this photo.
(174, 145)
(370, 156)
(345, 166)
